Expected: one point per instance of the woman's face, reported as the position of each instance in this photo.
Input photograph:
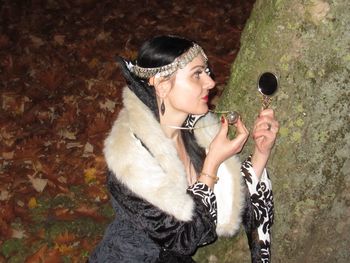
(190, 88)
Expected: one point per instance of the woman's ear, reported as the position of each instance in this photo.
(162, 86)
(151, 81)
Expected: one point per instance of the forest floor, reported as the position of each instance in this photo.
(60, 91)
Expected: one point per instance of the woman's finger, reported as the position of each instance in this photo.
(264, 133)
(267, 112)
(239, 141)
(270, 126)
(224, 127)
(241, 127)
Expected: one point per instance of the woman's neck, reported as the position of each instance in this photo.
(170, 120)
(167, 125)
(171, 133)
(185, 159)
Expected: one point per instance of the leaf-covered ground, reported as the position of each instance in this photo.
(59, 94)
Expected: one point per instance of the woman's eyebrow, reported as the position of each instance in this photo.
(198, 66)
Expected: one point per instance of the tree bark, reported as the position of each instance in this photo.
(307, 44)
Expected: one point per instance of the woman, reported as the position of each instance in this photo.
(174, 180)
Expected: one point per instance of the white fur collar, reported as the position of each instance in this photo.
(229, 188)
(157, 174)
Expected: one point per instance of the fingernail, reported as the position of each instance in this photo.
(222, 119)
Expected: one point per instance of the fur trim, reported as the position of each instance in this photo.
(156, 175)
(229, 189)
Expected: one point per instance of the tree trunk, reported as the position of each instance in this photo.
(307, 44)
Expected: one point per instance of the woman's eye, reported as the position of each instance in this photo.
(197, 73)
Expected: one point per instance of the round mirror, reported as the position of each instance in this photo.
(267, 84)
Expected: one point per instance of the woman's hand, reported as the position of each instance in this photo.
(264, 134)
(222, 148)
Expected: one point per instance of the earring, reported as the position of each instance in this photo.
(162, 108)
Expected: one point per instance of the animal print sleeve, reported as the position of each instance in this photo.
(261, 206)
(207, 197)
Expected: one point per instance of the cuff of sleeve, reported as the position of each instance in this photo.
(207, 197)
(265, 182)
(252, 180)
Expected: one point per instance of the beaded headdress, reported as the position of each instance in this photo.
(163, 71)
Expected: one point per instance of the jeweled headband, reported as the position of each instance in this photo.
(163, 71)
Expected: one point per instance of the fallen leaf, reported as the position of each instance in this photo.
(5, 229)
(7, 62)
(65, 238)
(85, 210)
(64, 214)
(89, 175)
(108, 105)
(64, 249)
(45, 255)
(38, 184)
(103, 36)
(32, 203)
(88, 149)
(2, 259)
(99, 125)
(53, 256)
(59, 39)
(37, 41)
(62, 179)
(20, 203)
(93, 63)
(64, 133)
(51, 78)
(97, 193)
(21, 212)
(4, 195)
(38, 256)
(18, 233)
(8, 155)
(73, 145)
(13, 103)
(7, 211)
(41, 233)
(8, 133)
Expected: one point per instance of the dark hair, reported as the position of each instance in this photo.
(156, 52)
(161, 51)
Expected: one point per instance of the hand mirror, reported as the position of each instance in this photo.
(267, 86)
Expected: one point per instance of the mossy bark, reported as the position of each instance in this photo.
(307, 44)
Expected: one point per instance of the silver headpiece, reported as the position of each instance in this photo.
(163, 71)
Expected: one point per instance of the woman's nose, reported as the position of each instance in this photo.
(209, 82)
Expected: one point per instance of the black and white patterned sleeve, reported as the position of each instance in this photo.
(207, 197)
(261, 212)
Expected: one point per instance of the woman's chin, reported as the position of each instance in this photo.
(201, 112)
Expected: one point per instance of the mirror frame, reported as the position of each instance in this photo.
(277, 83)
